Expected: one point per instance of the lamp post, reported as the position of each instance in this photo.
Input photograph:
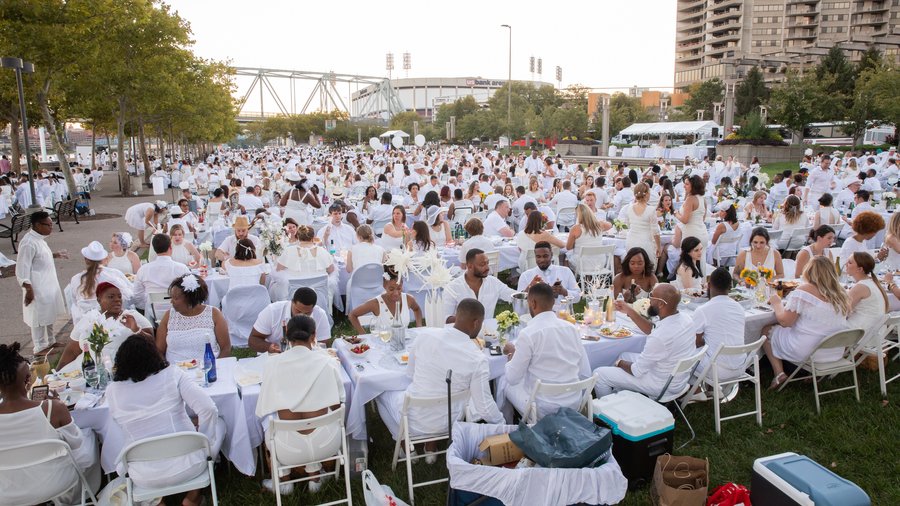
(19, 67)
(509, 92)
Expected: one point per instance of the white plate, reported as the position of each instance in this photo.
(398, 357)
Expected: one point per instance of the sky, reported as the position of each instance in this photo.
(599, 43)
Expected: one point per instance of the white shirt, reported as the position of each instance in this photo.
(430, 357)
(494, 224)
(534, 165)
(717, 320)
(819, 181)
(342, 235)
(156, 276)
(475, 242)
(623, 197)
(269, 321)
(492, 290)
(229, 245)
(551, 217)
(672, 339)
(553, 274)
(491, 200)
(519, 205)
(563, 199)
(381, 212)
(250, 202)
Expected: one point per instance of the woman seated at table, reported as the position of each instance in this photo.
(760, 253)
(865, 226)
(147, 398)
(868, 300)
(815, 310)
(826, 215)
(320, 392)
(665, 211)
(439, 229)
(244, 268)
(756, 209)
(290, 232)
(532, 234)
(214, 208)
(794, 217)
(890, 251)
(475, 228)
(365, 251)
(586, 232)
(534, 190)
(24, 421)
(636, 279)
(182, 251)
(395, 232)
(384, 306)
(728, 228)
(307, 258)
(82, 286)
(419, 238)
(823, 238)
(190, 324)
(690, 272)
(120, 256)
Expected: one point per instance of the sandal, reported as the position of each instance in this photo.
(775, 383)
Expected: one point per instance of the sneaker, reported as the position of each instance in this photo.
(286, 489)
(697, 397)
(316, 485)
(430, 458)
(730, 393)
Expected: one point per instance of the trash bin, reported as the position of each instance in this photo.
(158, 185)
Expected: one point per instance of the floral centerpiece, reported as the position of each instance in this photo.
(507, 324)
(271, 231)
(890, 199)
(763, 178)
(619, 225)
(436, 278)
(752, 276)
(94, 330)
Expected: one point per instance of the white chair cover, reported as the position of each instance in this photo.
(365, 283)
(240, 306)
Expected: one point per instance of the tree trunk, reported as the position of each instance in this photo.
(120, 150)
(14, 139)
(56, 137)
(143, 150)
(109, 150)
(93, 147)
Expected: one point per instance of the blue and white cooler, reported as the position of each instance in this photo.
(789, 479)
(642, 428)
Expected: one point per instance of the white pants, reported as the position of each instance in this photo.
(42, 337)
(295, 448)
(613, 379)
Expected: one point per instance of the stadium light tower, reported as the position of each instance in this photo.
(407, 63)
(389, 63)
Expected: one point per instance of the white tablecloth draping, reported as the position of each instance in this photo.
(236, 447)
(509, 255)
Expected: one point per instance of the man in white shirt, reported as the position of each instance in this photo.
(565, 198)
(716, 322)
(846, 196)
(546, 211)
(250, 201)
(241, 228)
(268, 330)
(522, 198)
(559, 278)
(779, 190)
(476, 240)
(495, 224)
(431, 356)
(533, 164)
(382, 212)
(156, 276)
(671, 340)
(819, 182)
(337, 235)
(548, 349)
(624, 196)
(476, 283)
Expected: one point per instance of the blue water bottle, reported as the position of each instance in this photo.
(209, 364)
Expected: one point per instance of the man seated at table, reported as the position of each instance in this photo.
(559, 278)
(672, 339)
(337, 235)
(476, 239)
(548, 349)
(241, 228)
(720, 322)
(433, 354)
(268, 330)
(381, 212)
(477, 283)
(564, 198)
(531, 207)
(495, 224)
(156, 276)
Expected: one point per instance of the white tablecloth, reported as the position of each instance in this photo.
(236, 447)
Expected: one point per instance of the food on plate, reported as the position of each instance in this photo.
(72, 374)
(187, 364)
(610, 332)
(353, 339)
(360, 349)
(738, 296)
(404, 357)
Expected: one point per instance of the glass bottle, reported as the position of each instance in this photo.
(398, 331)
(209, 362)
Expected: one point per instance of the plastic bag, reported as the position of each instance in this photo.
(565, 439)
(730, 494)
(376, 494)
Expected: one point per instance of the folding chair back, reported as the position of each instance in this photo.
(461, 214)
(166, 447)
(594, 261)
(317, 283)
(45, 451)
(550, 390)
(797, 240)
(241, 306)
(365, 283)
(160, 302)
(775, 236)
(727, 250)
(565, 218)
(790, 268)
(683, 366)
(378, 226)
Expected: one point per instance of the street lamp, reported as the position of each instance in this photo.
(509, 92)
(19, 67)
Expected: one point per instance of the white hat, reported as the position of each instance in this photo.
(808, 152)
(175, 211)
(433, 213)
(184, 185)
(337, 192)
(292, 176)
(161, 204)
(725, 204)
(94, 251)
(854, 181)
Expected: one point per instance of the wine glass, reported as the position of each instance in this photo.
(207, 366)
(92, 377)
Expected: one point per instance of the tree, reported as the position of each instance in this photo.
(623, 112)
(870, 60)
(460, 109)
(575, 96)
(881, 85)
(750, 93)
(404, 121)
(568, 122)
(801, 100)
(702, 97)
(840, 74)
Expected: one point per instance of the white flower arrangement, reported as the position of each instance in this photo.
(271, 231)
(888, 195)
(94, 329)
(642, 306)
(401, 261)
(506, 320)
(763, 178)
(205, 247)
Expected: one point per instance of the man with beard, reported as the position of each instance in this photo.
(478, 284)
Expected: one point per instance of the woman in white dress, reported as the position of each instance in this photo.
(148, 397)
(532, 234)
(290, 232)
(183, 251)
(534, 190)
(365, 251)
(81, 291)
(120, 256)
(244, 268)
(214, 206)
(439, 229)
(816, 309)
(419, 239)
(396, 232)
(297, 203)
(891, 249)
(826, 215)
(690, 271)
(865, 225)
(643, 228)
(823, 239)
(693, 211)
(587, 232)
(306, 259)
(384, 306)
(190, 324)
(868, 300)
(760, 253)
(724, 232)
(794, 217)
(756, 209)
(143, 216)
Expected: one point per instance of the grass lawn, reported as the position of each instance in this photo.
(777, 168)
(856, 440)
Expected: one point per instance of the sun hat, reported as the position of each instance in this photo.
(433, 213)
(241, 222)
(94, 251)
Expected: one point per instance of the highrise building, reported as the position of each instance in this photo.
(724, 38)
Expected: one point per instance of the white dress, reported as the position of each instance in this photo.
(386, 317)
(788, 228)
(187, 336)
(181, 254)
(867, 311)
(297, 210)
(641, 229)
(696, 225)
(244, 275)
(365, 253)
(728, 234)
(121, 264)
(893, 259)
(585, 240)
(136, 214)
(817, 320)
(828, 216)
(35, 264)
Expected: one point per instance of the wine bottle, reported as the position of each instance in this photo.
(398, 331)
(209, 362)
(88, 366)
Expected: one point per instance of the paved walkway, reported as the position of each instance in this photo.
(73, 238)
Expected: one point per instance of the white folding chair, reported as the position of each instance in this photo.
(45, 451)
(565, 218)
(169, 446)
(241, 306)
(846, 339)
(775, 237)
(726, 250)
(790, 268)
(797, 240)
(838, 228)
(550, 390)
(160, 302)
(404, 437)
(530, 261)
(494, 261)
(751, 351)
(461, 215)
(876, 343)
(335, 417)
(365, 283)
(594, 261)
(683, 366)
(219, 237)
(317, 283)
(378, 226)
(478, 216)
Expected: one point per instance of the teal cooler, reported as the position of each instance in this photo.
(642, 430)
(789, 479)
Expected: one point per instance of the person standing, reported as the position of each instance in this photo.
(36, 273)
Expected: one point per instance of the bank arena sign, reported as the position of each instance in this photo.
(484, 82)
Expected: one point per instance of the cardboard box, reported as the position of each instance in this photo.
(499, 450)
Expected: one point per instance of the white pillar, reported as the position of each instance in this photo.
(43, 141)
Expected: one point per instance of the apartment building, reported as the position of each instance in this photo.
(724, 38)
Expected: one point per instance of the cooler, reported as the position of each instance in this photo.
(790, 479)
(642, 430)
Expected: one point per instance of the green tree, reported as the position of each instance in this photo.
(569, 123)
(801, 100)
(702, 97)
(750, 93)
(871, 59)
(838, 72)
(460, 109)
(404, 121)
(623, 112)
(881, 85)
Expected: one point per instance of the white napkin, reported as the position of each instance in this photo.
(87, 401)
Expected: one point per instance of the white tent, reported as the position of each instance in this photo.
(392, 133)
(701, 128)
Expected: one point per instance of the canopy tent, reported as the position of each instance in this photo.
(392, 133)
(702, 128)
